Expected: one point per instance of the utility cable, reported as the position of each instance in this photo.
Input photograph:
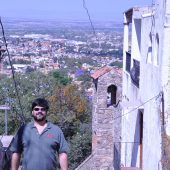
(127, 142)
(91, 23)
(118, 131)
(155, 97)
(21, 115)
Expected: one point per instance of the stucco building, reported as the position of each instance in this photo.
(146, 86)
(142, 139)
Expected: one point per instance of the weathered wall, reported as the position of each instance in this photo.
(165, 53)
(150, 87)
(102, 157)
(145, 98)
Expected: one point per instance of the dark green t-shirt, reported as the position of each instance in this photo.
(39, 150)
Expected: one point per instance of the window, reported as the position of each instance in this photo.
(156, 50)
(128, 61)
(111, 95)
(135, 72)
(149, 53)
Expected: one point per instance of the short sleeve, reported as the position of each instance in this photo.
(16, 145)
(63, 145)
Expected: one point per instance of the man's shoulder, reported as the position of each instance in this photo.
(54, 126)
(28, 125)
(25, 126)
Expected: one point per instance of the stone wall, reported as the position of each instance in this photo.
(103, 129)
(102, 155)
(117, 137)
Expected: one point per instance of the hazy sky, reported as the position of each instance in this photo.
(111, 10)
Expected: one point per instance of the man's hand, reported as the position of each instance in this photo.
(63, 160)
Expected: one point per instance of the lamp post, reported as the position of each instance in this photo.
(1, 56)
(5, 107)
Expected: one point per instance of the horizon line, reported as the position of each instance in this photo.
(59, 19)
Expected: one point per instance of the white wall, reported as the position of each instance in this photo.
(165, 53)
(130, 129)
(136, 38)
(151, 74)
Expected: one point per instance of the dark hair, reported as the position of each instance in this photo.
(40, 102)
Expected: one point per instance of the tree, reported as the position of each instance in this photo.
(117, 63)
(86, 80)
(61, 78)
(80, 148)
(69, 106)
(29, 87)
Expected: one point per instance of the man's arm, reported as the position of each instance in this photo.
(15, 161)
(63, 160)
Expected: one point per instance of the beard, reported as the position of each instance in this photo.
(39, 117)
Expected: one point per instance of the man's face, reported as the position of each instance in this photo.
(39, 113)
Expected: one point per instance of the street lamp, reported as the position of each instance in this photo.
(5, 107)
(1, 56)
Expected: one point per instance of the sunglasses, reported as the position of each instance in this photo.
(39, 109)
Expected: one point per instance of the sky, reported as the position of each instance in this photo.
(99, 10)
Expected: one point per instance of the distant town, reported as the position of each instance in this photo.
(60, 61)
(45, 46)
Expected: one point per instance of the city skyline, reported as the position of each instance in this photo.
(99, 10)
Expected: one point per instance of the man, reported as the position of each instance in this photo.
(39, 141)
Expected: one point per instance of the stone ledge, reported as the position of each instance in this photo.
(88, 159)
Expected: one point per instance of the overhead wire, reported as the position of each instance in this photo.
(94, 32)
(91, 23)
(155, 97)
(147, 101)
(136, 108)
(21, 115)
(164, 87)
(160, 94)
